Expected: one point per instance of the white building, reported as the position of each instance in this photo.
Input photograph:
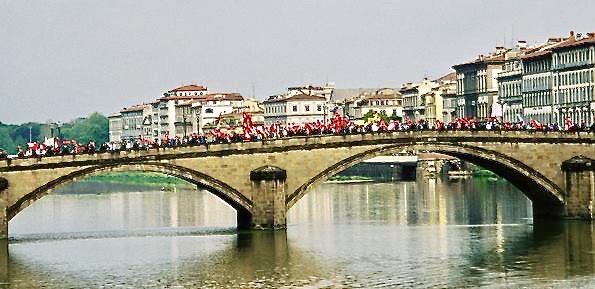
(325, 91)
(385, 100)
(167, 107)
(447, 90)
(296, 108)
(477, 84)
(208, 108)
(115, 128)
(136, 120)
(188, 90)
(413, 101)
(537, 84)
(510, 94)
(573, 69)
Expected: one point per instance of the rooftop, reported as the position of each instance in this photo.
(296, 97)
(191, 87)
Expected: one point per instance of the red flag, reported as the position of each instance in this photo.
(218, 121)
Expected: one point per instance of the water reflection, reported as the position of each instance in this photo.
(429, 233)
(68, 213)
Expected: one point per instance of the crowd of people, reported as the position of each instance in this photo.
(337, 125)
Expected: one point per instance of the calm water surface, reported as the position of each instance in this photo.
(429, 233)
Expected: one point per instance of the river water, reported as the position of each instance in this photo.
(431, 233)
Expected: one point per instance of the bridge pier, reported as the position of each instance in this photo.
(579, 177)
(268, 198)
(3, 207)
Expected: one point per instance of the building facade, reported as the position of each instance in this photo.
(448, 91)
(298, 109)
(414, 105)
(573, 70)
(537, 86)
(385, 100)
(136, 121)
(510, 92)
(477, 84)
(115, 128)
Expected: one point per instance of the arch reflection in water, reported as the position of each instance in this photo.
(435, 233)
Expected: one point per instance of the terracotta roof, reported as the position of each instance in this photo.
(488, 59)
(300, 96)
(221, 96)
(191, 87)
(133, 108)
(184, 104)
(306, 88)
(536, 54)
(406, 88)
(384, 96)
(175, 97)
(452, 76)
(574, 43)
(207, 97)
(547, 48)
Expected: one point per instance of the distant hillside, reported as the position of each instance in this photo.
(94, 127)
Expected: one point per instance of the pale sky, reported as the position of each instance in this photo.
(63, 59)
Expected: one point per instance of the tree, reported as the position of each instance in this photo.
(95, 127)
(6, 142)
(372, 114)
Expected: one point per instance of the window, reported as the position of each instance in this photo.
(209, 110)
(319, 107)
(307, 107)
(294, 108)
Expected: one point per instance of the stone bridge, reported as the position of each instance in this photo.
(262, 180)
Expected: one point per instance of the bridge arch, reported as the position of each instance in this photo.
(231, 196)
(546, 196)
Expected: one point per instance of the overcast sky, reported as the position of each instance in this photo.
(63, 59)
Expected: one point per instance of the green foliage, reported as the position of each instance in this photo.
(483, 173)
(338, 178)
(95, 127)
(382, 114)
(368, 115)
(6, 141)
(139, 178)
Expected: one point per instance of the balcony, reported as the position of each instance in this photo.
(509, 73)
(572, 64)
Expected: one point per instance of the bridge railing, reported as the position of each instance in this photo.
(315, 141)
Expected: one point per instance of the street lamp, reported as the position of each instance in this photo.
(184, 119)
(324, 108)
(59, 125)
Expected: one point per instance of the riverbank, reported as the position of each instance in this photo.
(337, 179)
(140, 179)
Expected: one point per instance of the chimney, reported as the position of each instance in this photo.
(500, 49)
(571, 34)
(521, 44)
